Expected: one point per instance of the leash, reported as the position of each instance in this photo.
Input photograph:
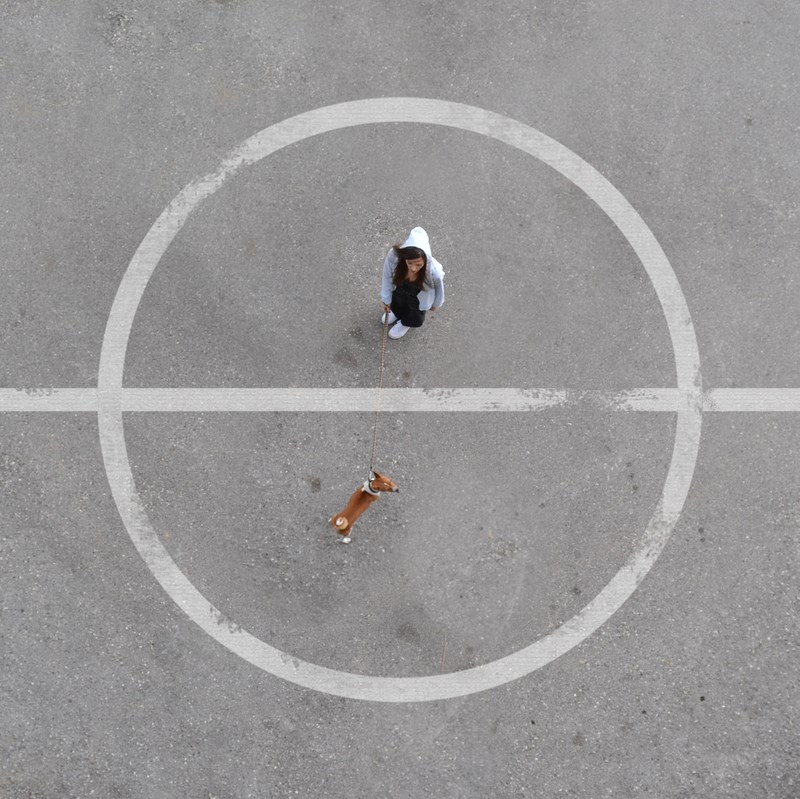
(380, 386)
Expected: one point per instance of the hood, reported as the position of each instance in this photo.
(418, 237)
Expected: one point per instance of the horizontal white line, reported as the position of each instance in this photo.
(390, 399)
(327, 400)
(764, 400)
(48, 399)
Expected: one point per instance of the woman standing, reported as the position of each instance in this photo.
(413, 283)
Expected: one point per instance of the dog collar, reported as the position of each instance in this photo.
(368, 489)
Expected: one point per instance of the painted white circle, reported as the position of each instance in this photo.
(547, 648)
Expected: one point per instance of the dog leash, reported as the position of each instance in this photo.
(380, 386)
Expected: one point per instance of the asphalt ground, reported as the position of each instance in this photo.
(508, 524)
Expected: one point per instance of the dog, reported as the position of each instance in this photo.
(359, 501)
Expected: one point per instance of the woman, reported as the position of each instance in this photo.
(413, 283)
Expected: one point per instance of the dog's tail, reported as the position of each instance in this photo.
(341, 524)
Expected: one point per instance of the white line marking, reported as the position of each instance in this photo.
(749, 400)
(687, 370)
(62, 400)
(398, 400)
(365, 400)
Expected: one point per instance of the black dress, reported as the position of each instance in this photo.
(405, 305)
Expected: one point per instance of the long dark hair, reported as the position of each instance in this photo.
(401, 270)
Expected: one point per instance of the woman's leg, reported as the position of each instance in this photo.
(407, 312)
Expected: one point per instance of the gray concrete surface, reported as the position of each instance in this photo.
(507, 524)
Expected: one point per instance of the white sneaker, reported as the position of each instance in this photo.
(392, 318)
(399, 330)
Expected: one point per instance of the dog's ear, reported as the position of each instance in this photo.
(385, 481)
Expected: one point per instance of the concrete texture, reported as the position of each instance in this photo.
(508, 523)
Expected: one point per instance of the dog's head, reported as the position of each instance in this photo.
(380, 482)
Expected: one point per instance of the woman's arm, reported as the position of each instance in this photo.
(438, 297)
(387, 288)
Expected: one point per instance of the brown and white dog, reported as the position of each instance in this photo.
(359, 501)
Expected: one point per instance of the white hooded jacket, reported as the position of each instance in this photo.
(433, 293)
